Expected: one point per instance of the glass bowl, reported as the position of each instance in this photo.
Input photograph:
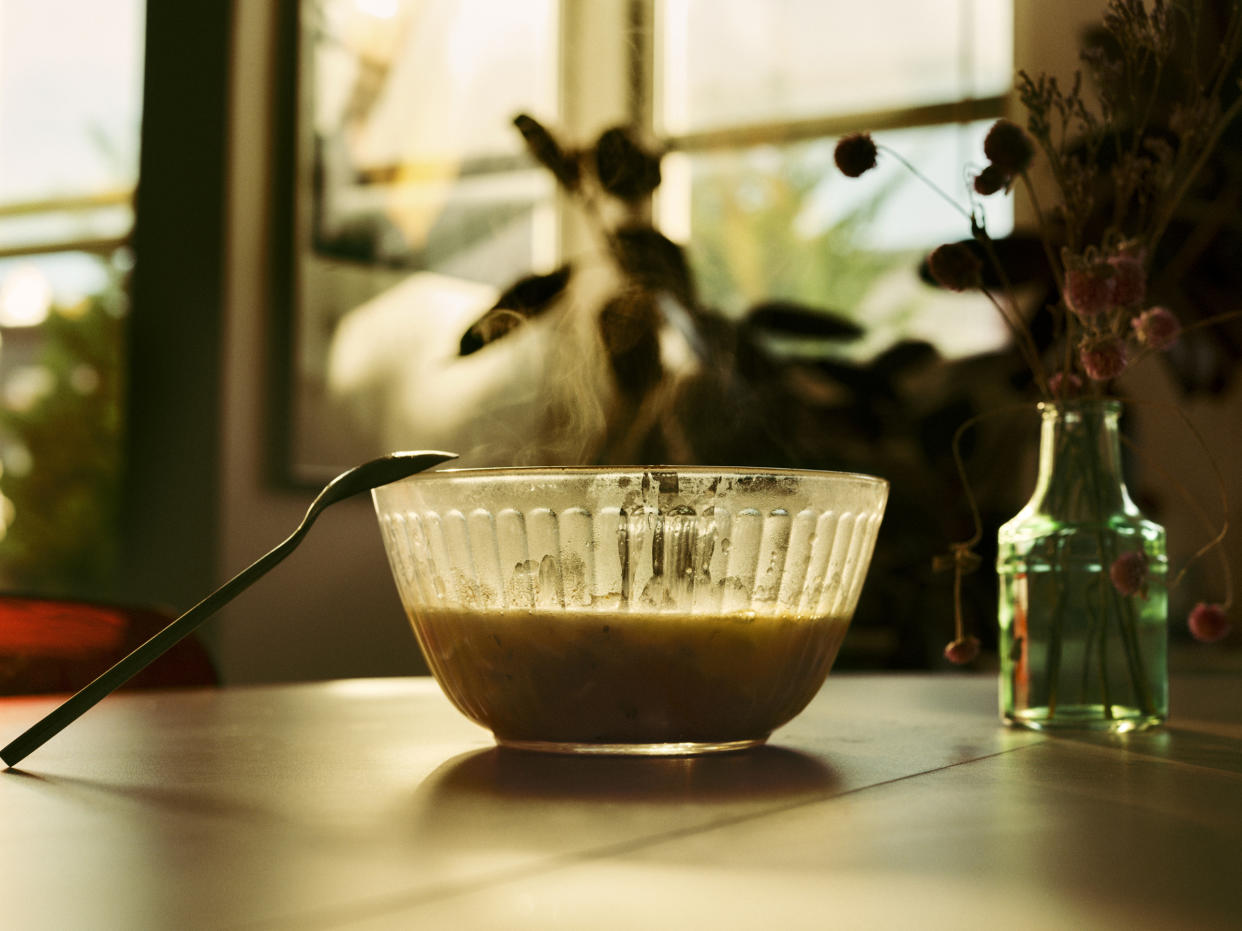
(630, 610)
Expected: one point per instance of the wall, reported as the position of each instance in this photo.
(330, 609)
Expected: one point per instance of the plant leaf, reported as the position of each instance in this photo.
(548, 152)
(902, 355)
(530, 295)
(527, 297)
(790, 318)
(628, 325)
(861, 381)
(655, 262)
(625, 169)
(1021, 255)
(487, 329)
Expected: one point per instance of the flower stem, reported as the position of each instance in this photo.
(1052, 668)
(1021, 330)
(1023, 338)
(909, 166)
(1219, 537)
(1097, 631)
(1205, 151)
(1102, 657)
(1045, 237)
(1127, 624)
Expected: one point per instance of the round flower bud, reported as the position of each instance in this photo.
(1103, 359)
(1008, 147)
(1090, 289)
(990, 180)
(955, 266)
(1208, 623)
(1129, 279)
(1157, 328)
(1128, 573)
(855, 154)
(960, 652)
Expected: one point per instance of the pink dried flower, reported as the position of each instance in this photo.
(1208, 623)
(1008, 147)
(1129, 573)
(1129, 278)
(990, 180)
(955, 266)
(1065, 385)
(1157, 328)
(960, 652)
(855, 154)
(1090, 289)
(1103, 359)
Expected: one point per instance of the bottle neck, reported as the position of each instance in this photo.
(1080, 475)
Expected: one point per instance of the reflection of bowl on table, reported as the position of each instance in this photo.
(630, 610)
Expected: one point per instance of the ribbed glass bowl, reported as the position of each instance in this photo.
(630, 610)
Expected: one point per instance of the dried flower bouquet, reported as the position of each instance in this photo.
(1121, 162)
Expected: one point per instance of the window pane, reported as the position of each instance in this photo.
(70, 108)
(70, 97)
(781, 221)
(726, 62)
(416, 156)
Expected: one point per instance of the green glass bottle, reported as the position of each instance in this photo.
(1083, 590)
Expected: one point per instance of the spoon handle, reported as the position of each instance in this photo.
(142, 656)
(363, 478)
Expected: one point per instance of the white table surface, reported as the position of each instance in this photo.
(892, 802)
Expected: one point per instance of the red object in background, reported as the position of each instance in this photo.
(53, 645)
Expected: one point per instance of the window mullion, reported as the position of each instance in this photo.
(780, 132)
(596, 83)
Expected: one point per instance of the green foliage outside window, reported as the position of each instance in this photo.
(745, 242)
(61, 452)
(747, 247)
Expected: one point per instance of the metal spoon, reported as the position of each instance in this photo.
(361, 478)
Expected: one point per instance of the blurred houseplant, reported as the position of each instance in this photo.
(690, 384)
(60, 433)
(1083, 575)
